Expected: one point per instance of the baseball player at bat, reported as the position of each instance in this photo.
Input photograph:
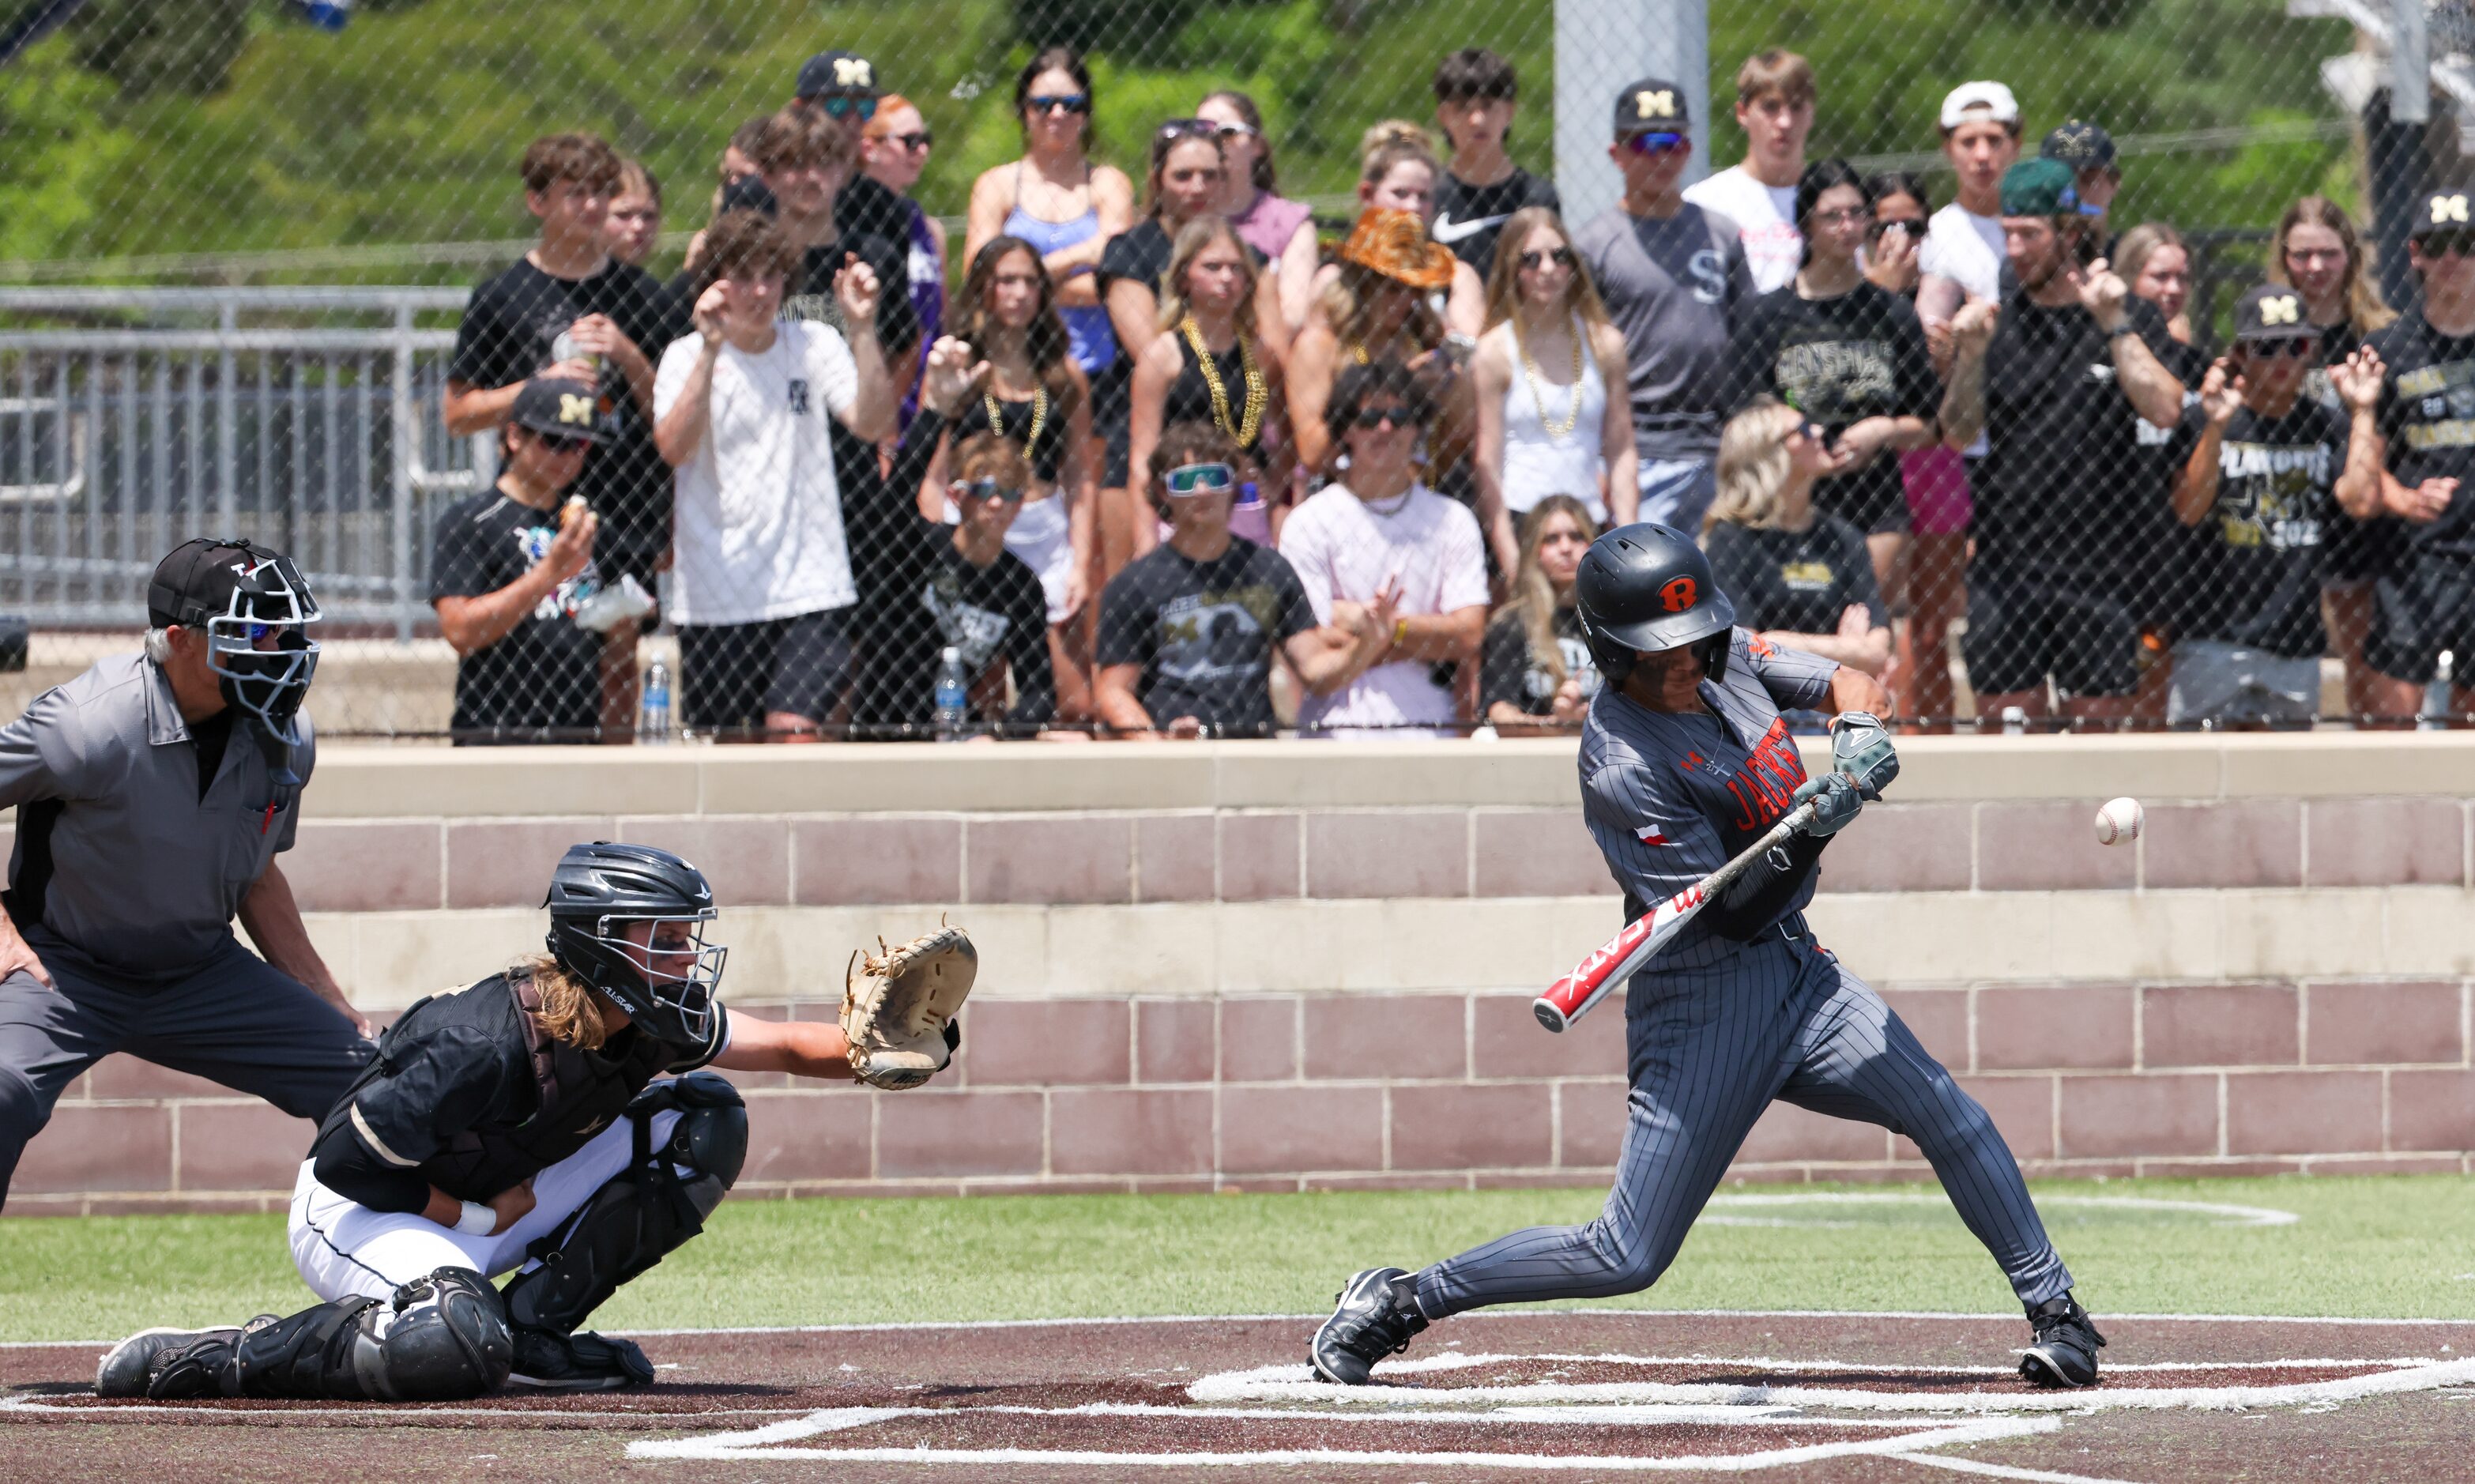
(1684, 762)
(555, 1121)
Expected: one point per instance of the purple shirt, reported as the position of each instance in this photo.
(1269, 222)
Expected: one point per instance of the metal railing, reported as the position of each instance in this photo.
(133, 430)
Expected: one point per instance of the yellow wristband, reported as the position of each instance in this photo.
(1399, 632)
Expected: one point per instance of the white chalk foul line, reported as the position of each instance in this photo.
(2004, 1471)
(766, 1443)
(1295, 1383)
(1458, 1360)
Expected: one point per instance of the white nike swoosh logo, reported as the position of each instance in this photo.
(1448, 232)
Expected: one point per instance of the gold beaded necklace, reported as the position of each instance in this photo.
(1257, 394)
(1573, 407)
(1039, 413)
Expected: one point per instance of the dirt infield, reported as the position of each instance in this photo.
(1487, 1396)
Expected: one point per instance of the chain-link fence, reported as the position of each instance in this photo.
(274, 270)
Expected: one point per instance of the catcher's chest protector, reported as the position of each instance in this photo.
(576, 1094)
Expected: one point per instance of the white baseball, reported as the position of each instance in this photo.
(2119, 822)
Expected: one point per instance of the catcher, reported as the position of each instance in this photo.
(555, 1121)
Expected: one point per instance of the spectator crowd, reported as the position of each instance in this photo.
(1144, 453)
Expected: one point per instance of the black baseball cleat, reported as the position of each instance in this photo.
(128, 1368)
(2064, 1353)
(1375, 1316)
(584, 1361)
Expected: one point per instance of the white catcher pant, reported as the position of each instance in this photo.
(344, 1248)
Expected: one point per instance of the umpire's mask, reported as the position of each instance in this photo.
(668, 984)
(254, 607)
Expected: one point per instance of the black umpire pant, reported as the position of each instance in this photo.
(236, 1020)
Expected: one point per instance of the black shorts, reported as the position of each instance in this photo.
(2362, 551)
(2421, 610)
(1113, 411)
(2022, 630)
(732, 674)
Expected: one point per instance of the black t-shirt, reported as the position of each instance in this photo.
(809, 293)
(2427, 416)
(1839, 361)
(1204, 632)
(510, 333)
(916, 595)
(1470, 218)
(2152, 543)
(541, 682)
(1141, 253)
(1509, 672)
(1797, 581)
(868, 204)
(2250, 573)
(2063, 483)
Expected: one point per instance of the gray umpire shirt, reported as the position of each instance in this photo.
(1672, 796)
(1675, 286)
(121, 871)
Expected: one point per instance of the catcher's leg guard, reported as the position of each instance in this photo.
(644, 1212)
(443, 1338)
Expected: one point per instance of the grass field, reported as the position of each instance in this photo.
(2372, 1246)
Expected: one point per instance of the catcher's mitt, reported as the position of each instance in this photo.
(899, 1007)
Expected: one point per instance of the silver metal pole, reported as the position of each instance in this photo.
(2409, 63)
(406, 441)
(1600, 46)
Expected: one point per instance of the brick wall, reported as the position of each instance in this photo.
(1288, 967)
(1333, 1091)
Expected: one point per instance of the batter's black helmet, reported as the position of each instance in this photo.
(1647, 587)
(668, 986)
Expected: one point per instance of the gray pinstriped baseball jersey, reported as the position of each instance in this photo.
(1719, 1029)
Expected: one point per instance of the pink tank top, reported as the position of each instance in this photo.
(1937, 485)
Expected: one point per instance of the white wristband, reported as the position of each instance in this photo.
(478, 1220)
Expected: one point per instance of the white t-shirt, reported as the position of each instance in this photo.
(1765, 216)
(1344, 547)
(758, 532)
(1965, 248)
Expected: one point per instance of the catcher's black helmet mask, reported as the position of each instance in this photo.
(669, 985)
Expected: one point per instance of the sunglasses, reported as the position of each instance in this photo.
(915, 141)
(1561, 258)
(1201, 478)
(559, 443)
(2443, 244)
(1914, 225)
(985, 489)
(1239, 130)
(1657, 143)
(1057, 102)
(1841, 217)
(1187, 129)
(844, 106)
(2276, 350)
(1377, 417)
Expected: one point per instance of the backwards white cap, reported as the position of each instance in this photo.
(1993, 97)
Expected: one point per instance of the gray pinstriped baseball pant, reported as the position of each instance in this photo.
(1710, 1048)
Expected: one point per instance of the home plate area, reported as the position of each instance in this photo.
(1571, 1394)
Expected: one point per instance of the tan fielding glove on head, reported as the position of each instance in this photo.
(900, 1004)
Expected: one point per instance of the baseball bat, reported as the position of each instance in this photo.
(1618, 959)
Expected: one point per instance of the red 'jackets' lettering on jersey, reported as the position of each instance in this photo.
(1767, 783)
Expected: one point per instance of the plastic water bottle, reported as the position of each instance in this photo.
(953, 695)
(653, 717)
(2015, 721)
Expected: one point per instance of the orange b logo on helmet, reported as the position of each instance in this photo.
(1679, 593)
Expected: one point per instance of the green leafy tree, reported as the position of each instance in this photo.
(149, 47)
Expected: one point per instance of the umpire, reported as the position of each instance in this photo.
(152, 795)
